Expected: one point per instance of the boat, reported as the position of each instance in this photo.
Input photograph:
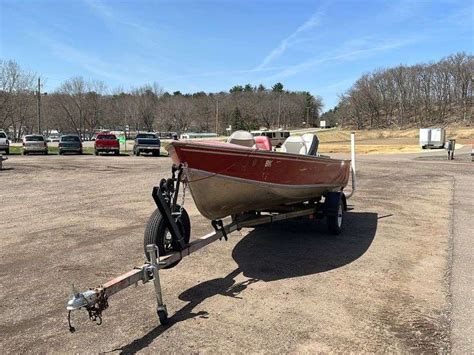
(238, 176)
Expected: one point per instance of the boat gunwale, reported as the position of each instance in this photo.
(251, 151)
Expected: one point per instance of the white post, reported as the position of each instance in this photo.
(353, 164)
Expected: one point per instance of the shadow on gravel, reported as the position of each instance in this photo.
(277, 251)
(296, 248)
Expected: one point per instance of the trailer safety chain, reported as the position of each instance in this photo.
(95, 310)
(219, 228)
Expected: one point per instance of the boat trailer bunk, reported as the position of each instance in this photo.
(167, 237)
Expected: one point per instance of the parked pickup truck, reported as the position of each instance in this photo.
(4, 143)
(146, 143)
(106, 142)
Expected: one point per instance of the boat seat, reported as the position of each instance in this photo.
(294, 145)
(312, 143)
(242, 138)
(263, 143)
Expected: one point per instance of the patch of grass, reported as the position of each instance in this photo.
(18, 150)
(462, 134)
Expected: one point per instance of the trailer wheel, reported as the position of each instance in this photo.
(163, 316)
(334, 207)
(157, 233)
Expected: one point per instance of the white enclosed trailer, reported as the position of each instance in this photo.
(432, 137)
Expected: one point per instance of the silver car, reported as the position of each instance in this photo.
(34, 143)
(4, 143)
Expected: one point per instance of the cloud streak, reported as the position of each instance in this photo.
(124, 25)
(348, 52)
(85, 60)
(312, 22)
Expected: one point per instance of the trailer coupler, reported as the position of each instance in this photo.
(95, 301)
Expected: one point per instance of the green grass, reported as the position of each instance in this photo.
(16, 150)
(51, 150)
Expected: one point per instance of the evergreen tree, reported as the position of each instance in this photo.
(278, 87)
(236, 88)
(236, 120)
(248, 88)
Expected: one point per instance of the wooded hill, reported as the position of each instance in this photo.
(409, 96)
(405, 96)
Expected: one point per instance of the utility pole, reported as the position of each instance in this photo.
(279, 110)
(217, 116)
(38, 109)
(307, 115)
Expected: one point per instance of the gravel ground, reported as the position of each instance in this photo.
(382, 285)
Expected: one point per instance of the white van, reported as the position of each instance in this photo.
(277, 137)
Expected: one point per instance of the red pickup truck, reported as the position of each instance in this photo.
(106, 142)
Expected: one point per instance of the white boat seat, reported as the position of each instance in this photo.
(294, 145)
(242, 138)
(312, 143)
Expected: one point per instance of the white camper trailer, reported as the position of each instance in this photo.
(432, 137)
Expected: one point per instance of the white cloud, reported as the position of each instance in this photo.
(83, 59)
(350, 50)
(312, 22)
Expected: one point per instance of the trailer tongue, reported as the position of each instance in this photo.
(168, 233)
(95, 301)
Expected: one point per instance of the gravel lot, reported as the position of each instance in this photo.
(382, 285)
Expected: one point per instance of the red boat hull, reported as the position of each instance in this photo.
(227, 179)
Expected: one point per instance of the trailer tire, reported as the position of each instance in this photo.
(157, 233)
(334, 209)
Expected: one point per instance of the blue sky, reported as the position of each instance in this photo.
(316, 46)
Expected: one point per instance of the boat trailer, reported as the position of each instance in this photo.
(174, 240)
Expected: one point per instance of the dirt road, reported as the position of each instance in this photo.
(382, 285)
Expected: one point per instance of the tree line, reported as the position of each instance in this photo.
(405, 96)
(85, 106)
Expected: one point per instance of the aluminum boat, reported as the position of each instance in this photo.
(228, 178)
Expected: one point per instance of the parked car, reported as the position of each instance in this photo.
(146, 143)
(167, 135)
(4, 143)
(52, 139)
(34, 143)
(106, 142)
(70, 144)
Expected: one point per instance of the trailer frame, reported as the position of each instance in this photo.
(95, 300)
